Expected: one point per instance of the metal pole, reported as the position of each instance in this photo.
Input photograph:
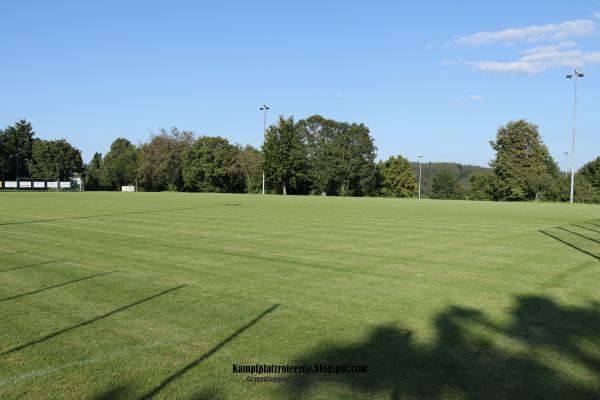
(265, 108)
(573, 144)
(17, 169)
(420, 158)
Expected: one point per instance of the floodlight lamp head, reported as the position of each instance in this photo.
(569, 76)
(420, 155)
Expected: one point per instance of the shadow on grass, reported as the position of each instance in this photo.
(587, 228)
(473, 357)
(114, 214)
(114, 393)
(171, 378)
(11, 253)
(85, 278)
(571, 245)
(30, 265)
(88, 322)
(580, 235)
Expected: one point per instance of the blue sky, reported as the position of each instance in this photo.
(436, 78)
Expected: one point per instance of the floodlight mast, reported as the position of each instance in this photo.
(264, 108)
(575, 76)
(420, 156)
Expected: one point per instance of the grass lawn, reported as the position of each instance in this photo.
(157, 295)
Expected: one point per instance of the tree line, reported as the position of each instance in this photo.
(24, 155)
(314, 155)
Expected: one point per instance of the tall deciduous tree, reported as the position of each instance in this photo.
(341, 157)
(358, 168)
(323, 153)
(94, 174)
(159, 160)
(522, 162)
(54, 159)
(120, 163)
(212, 164)
(284, 153)
(17, 142)
(396, 179)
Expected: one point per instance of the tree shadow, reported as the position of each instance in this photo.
(85, 278)
(466, 360)
(579, 234)
(587, 228)
(88, 322)
(571, 245)
(31, 265)
(173, 377)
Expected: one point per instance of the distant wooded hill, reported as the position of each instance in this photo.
(461, 172)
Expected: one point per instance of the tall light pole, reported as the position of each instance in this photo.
(264, 108)
(420, 156)
(567, 169)
(575, 75)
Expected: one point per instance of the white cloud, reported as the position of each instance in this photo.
(513, 67)
(475, 97)
(596, 15)
(592, 58)
(539, 59)
(533, 33)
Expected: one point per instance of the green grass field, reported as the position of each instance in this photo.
(140, 295)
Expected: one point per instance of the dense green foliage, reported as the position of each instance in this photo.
(395, 178)
(445, 186)
(54, 159)
(160, 160)
(285, 157)
(95, 178)
(212, 164)
(23, 155)
(440, 299)
(120, 164)
(591, 172)
(251, 161)
(17, 148)
(481, 186)
(585, 192)
(314, 155)
(341, 157)
(462, 173)
(523, 167)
